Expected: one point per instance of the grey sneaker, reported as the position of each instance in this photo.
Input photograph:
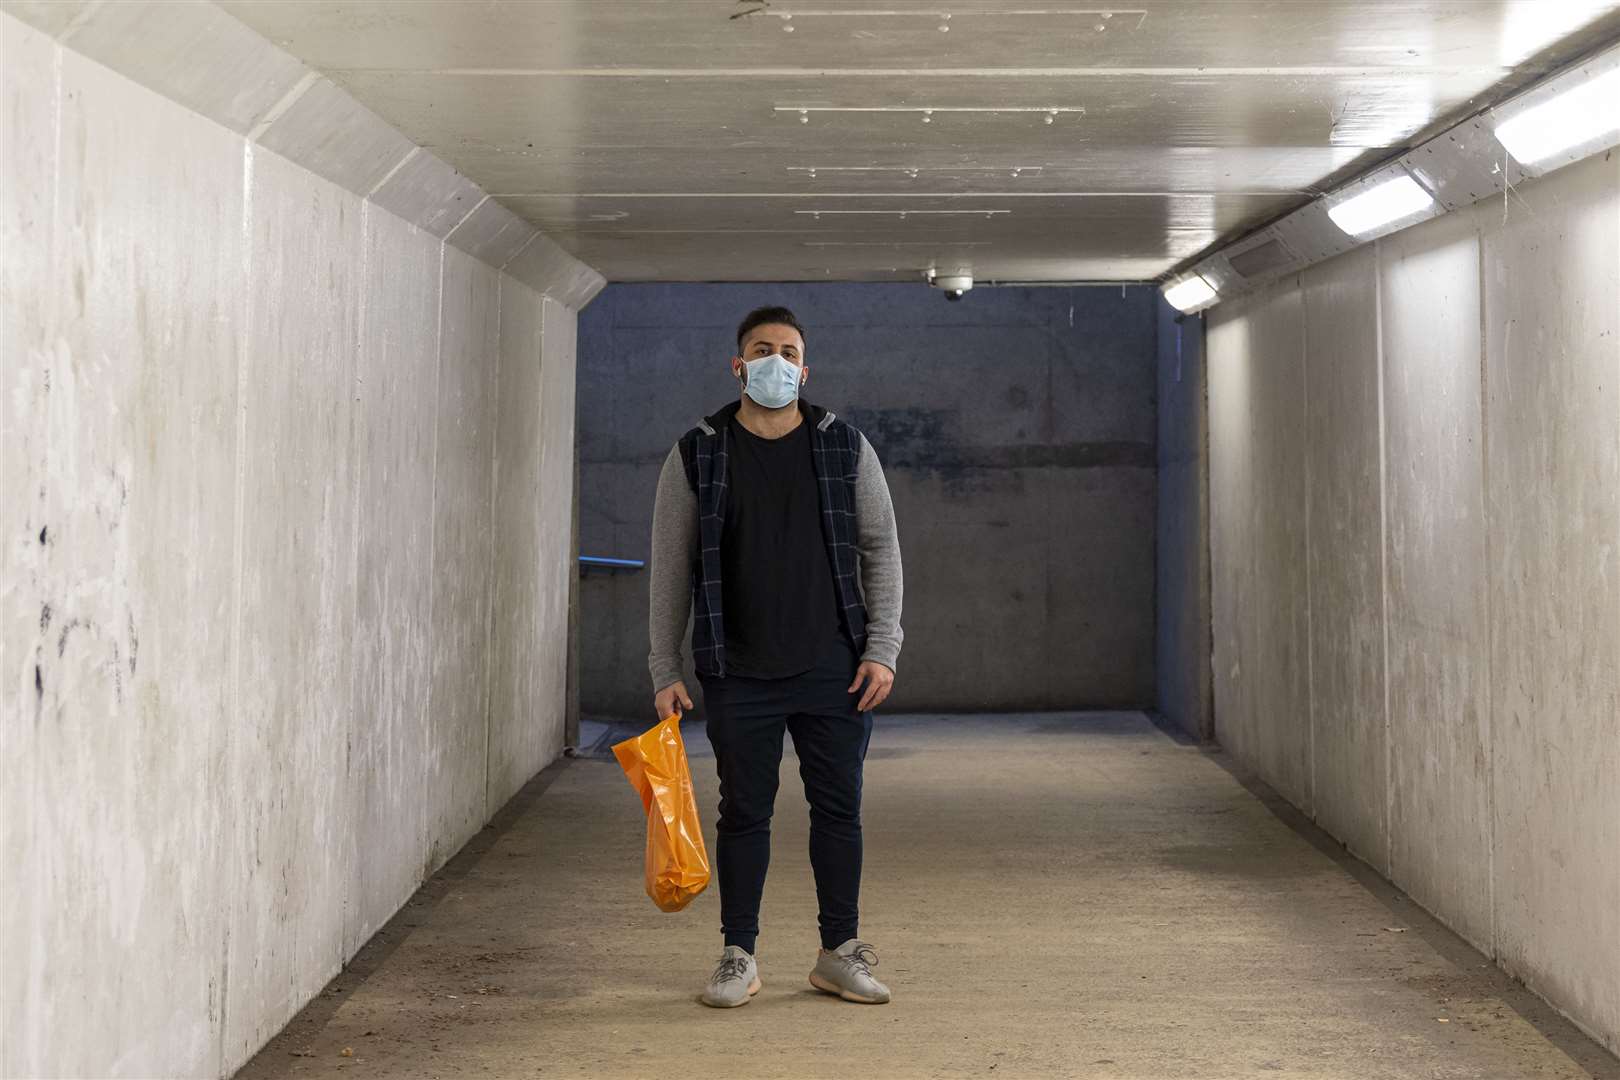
(847, 972)
(734, 982)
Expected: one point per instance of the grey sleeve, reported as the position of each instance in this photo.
(674, 549)
(877, 540)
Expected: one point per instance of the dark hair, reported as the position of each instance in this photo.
(767, 315)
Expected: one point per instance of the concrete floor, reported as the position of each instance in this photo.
(1075, 895)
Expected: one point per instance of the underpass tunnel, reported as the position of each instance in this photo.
(1236, 383)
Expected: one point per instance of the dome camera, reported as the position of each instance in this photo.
(952, 285)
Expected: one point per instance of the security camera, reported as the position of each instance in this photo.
(952, 285)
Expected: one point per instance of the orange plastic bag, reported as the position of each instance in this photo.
(677, 862)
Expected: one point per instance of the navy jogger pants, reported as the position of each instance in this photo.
(746, 719)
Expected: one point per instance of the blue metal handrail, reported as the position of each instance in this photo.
(599, 562)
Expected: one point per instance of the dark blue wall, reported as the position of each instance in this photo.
(1185, 693)
(1017, 428)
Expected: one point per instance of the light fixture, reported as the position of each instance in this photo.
(913, 171)
(903, 213)
(989, 10)
(949, 244)
(1527, 28)
(1050, 112)
(1570, 116)
(1396, 201)
(1189, 293)
(1584, 113)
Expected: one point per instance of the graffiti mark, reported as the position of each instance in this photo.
(44, 531)
(39, 682)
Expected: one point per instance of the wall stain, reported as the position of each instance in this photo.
(1074, 455)
(39, 682)
(908, 436)
(44, 531)
(930, 439)
(45, 617)
(62, 639)
(134, 641)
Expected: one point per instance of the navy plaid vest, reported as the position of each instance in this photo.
(836, 451)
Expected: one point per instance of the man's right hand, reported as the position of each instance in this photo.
(672, 699)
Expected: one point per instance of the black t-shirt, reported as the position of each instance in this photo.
(780, 602)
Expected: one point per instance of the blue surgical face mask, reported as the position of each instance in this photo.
(773, 381)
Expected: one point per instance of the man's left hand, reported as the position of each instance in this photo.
(878, 679)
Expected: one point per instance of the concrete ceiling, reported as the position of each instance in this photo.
(683, 140)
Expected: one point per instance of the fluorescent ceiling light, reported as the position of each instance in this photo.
(1378, 206)
(1189, 293)
(1528, 26)
(1579, 115)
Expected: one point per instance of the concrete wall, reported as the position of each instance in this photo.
(254, 427)
(1415, 544)
(1181, 595)
(1257, 529)
(1016, 429)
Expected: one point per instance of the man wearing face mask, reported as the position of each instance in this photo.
(774, 522)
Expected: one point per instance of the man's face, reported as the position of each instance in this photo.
(771, 338)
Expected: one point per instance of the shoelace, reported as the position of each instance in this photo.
(732, 967)
(862, 959)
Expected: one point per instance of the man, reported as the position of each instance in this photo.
(762, 510)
